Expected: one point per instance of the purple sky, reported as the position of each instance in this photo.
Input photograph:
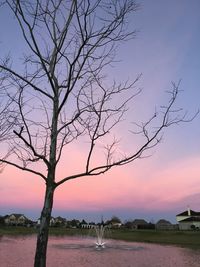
(166, 49)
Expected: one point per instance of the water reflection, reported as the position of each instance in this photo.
(81, 252)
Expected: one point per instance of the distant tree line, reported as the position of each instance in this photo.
(115, 222)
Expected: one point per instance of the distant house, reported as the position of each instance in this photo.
(115, 222)
(116, 225)
(84, 225)
(73, 224)
(16, 219)
(165, 225)
(87, 225)
(139, 224)
(60, 222)
(188, 220)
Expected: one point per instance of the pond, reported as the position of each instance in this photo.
(81, 252)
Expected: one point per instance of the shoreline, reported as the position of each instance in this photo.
(189, 239)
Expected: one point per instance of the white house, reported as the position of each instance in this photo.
(16, 219)
(188, 220)
(87, 226)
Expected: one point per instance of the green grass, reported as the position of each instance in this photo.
(16, 230)
(181, 238)
(20, 230)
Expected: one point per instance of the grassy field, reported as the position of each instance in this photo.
(20, 230)
(181, 238)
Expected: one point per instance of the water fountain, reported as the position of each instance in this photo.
(100, 230)
(98, 243)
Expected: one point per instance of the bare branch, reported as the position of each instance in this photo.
(153, 136)
(22, 168)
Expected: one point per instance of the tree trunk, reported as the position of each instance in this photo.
(42, 238)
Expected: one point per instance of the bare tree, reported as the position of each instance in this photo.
(63, 95)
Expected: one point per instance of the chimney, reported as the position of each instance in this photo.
(188, 209)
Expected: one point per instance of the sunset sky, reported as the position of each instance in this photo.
(166, 49)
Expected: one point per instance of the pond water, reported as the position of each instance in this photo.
(81, 252)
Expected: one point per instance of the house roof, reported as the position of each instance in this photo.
(59, 218)
(191, 219)
(139, 221)
(17, 215)
(192, 213)
(162, 221)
